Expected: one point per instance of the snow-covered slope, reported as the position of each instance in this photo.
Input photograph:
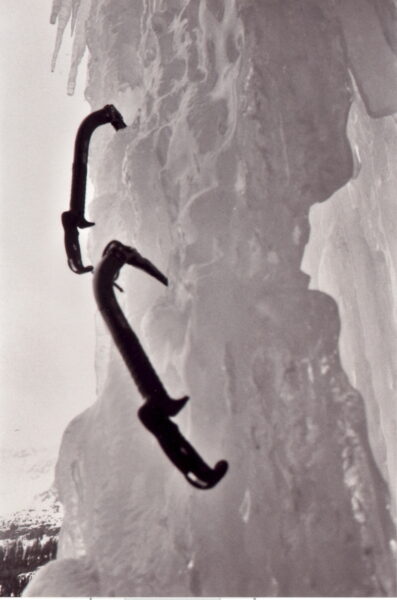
(237, 113)
(26, 473)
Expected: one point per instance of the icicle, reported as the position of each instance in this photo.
(55, 10)
(75, 10)
(64, 11)
(79, 44)
(61, 11)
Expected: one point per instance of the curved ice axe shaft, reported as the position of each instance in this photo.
(158, 407)
(107, 114)
(115, 256)
(74, 218)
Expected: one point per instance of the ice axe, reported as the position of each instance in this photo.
(74, 219)
(158, 407)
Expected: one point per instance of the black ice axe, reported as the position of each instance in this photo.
(74, 219)
(158, 407)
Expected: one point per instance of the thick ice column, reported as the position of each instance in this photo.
(239, 112)
(352, 256)
(352, 253)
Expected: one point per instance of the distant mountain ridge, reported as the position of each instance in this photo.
(28, 540)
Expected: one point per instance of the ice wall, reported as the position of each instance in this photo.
(352, 255)
(237, 113)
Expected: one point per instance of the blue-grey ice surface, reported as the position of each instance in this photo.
(242, 115)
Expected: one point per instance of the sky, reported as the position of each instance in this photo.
(46, 311)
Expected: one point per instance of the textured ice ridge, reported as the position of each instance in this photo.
(352, 255)
(237, 112)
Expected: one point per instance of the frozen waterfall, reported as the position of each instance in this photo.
(238, 115)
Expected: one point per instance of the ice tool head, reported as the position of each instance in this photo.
(137, 260)
(115, 117)
(132, 257)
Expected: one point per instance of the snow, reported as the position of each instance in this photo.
(26, 473)
(237, 114)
